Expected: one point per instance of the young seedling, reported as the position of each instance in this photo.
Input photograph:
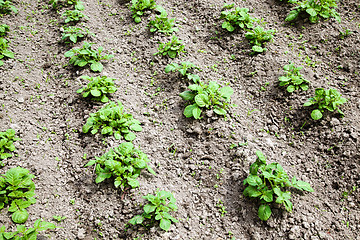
(237, 18)
(315, 9)
(172, 48)
(7, 140)
(183, 70)
(293, 79)
(112, 120)
(342, 35)
(98, 88)
(123, 163)
(138, 8)
(57, 4)
(74, 34)
(17, 191)
(208, 96)
(162, 23)
(325, 99)
(6, 7)
(4, 29)
(157, 209)
(257, 37)
(86, 55)
(3, 50)
(59, 218)
(23, 233)
(73, 16)
(267, 182)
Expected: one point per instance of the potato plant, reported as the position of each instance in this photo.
(112, 120)
(123, 163)
(98, 88)
(257, 37)
(57, 4)
(268, 183)
(293, 79)
(237, 18)
(4, 52)
(7, 140)
(183, 70)
(162, 23)
(6, 7)
(172, 48)
(4, 29)
(138, 8)
(74, 16)
(74, 34)
(23, 233)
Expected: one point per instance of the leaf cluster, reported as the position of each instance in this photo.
(239, 17)
(7, 140)
(17, 190)
(86, 55)
(203, 95)
(6, 7)
(315, 9)
(267, 182)
(157, 209)
(329, 99)
(4, 52)
(162, 23)
(139, 6)
(257, 37)
(112, 120)
(172, 48)
(4, 29)
(183, 70)
(293, 79)
(23, 233)
(57, 4)
(124, 163)
(98, 88)
(74, 33)
(73, 16)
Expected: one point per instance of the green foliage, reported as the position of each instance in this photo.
(98, 88)
(183, 70)
(7, 140)
(57, 4)
(293, 79)
(3, 50)
(23, 233)
(73, 16)
(208, 96)
(162, 23)
(112, 119)
(257, 37)
(4, 29)
(59, 218)
(237, 18)
(17, 191)
(267, 183)
(86, 55)
(325, 99)
(74, 33)
(6, 7)
(124, 163)
(172, 48)
(157, 209)
(315, 9)
(139, 6)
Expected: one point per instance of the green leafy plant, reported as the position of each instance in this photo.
(315, 9)
(6, 7)
(139, 6)
(325, 99)
(267, 182)
(86, 55)
(293, 79)
(4, 52)
(124, 163)
(73, 16)
(162, 23)
(59, 218)
(257, 37)
(7, 140)
(239, 17)
(183, 70)
(4, 29)
(17, 190)
(112, 119)
(172, 48)
(157, 209)
(74, 33)
(98, 88)
(23, 233)
(208, 96)
(342, 35)
(57, 4)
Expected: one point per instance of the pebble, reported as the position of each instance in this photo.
(81, 233)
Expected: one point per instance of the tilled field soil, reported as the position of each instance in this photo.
(194, 159)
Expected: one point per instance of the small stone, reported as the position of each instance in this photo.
(21, 99)
(81, 233)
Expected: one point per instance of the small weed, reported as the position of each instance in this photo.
(59, 218)
(345, 34)
(221, 207)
